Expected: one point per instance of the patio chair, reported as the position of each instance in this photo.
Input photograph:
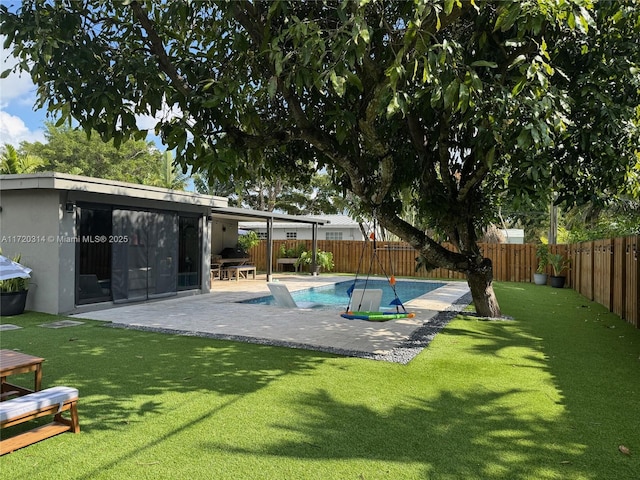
(284, 299)
(366, 300)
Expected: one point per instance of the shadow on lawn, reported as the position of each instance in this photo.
(452, 436)
(120, 372)
(481, 431)
(591, 359)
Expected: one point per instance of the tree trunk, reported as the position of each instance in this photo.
(479, 270)
(481, 284)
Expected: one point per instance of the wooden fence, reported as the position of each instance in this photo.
(605, 271)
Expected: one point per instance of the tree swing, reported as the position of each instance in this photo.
(356, 313)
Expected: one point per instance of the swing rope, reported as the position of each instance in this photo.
(391, 280)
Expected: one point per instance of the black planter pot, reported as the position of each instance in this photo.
(557, 282)
(12, 303)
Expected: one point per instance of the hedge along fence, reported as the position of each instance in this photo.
(605, 271)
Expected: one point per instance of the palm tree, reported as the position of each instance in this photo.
(12, 162)
(167, 176)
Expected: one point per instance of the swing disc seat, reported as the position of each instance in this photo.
(376, 316)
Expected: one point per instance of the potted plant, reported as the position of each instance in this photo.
(542, 254)
(324, 260)
(558, 263)
(13, 294)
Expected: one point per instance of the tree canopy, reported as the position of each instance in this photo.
(68, 150)
(318, 196)
(450, 106)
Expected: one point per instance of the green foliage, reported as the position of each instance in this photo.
(323, 259)
(542, 254)
(559, 263)
(605, 228)
(291, 252)
(248, 240)
(68, 150)
(268, 192)
(620, 217)
(11, 162)
(14, 284)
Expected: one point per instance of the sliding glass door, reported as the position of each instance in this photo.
(93, 255)
(189, 246)
(144, 255)
(126, 255)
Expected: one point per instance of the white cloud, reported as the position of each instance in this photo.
(19, 91)
(148, 122)
(13, 131)
(16, 85)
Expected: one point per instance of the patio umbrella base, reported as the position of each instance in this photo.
(12, 303)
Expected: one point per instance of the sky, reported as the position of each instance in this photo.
(18, 119)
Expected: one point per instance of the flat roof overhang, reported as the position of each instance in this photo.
(100, 186)
(242, 214)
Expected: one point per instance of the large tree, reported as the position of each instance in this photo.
(275, 193)
(449, 105)
(69, 150)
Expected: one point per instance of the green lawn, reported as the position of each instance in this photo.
(550, 395)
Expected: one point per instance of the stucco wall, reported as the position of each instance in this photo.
(224, 234)
(31, 223)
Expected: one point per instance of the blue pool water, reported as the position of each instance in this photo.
(335, 296)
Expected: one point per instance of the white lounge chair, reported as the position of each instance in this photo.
(366, 300)
(284, 299)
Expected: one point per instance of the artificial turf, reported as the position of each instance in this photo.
(551, 394)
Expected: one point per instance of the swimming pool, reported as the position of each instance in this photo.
(335, 296)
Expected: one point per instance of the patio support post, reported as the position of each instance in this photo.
(314, 242)
(269, 249)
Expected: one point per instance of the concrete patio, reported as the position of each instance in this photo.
(218, 315)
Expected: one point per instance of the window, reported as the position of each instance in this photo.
(262, 235)
(292, 235)
(334, 236)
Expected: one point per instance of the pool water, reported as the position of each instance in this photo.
(335, 296)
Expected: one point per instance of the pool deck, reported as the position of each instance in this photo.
(217, 315)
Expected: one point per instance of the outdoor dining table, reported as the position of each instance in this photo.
(14, 363)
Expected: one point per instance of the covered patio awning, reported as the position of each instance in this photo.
(244, 214)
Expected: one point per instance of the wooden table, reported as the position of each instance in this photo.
(240, 271)
(14, 363)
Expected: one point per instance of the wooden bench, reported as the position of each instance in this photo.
(239, 271)
(51, 401)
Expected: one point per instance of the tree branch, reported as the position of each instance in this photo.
(444, 154)
(478, 175)
(157, 48)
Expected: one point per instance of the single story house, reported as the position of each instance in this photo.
(337, 227)
(93, 243)
(513, 235)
